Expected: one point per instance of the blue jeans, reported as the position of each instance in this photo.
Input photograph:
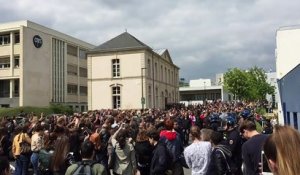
(22, 163)
(35, 163)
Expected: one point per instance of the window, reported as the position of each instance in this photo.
(72, 50)
(116, 97)
(72, 89)
(4, 63)
(149, 68)
(17, 61)
(155, 70)
(115, 68)
(149, 96)
(82, 54)
(83, 90)
(82, 72)
(4, 88)
(288, 118)
(16, 88)
(17, 38)
(72, 70)
(4, 39)
(295, 120)
(161, 73)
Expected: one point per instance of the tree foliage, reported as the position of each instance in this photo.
(248, 85)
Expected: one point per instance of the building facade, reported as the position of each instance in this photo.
(124, 73)
(288, 73)
(202, 90)
(40, 66)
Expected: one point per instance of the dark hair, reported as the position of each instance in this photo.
(4, 165)
(38, 127)
(142, 135)
(121, 137)
(169, 124)
(154, 134)
(248, 125)
(216, 137)
(87, 149)
(62, 148)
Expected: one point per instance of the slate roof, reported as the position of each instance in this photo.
(124, 41)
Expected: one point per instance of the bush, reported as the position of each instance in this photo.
(53, 109)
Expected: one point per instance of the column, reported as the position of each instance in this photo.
(11, 88)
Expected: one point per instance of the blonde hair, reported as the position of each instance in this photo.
(283, 148)
(206, 134)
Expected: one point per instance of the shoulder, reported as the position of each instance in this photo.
(71, 169)
(98, 168)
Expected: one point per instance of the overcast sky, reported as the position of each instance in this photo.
(204, 37)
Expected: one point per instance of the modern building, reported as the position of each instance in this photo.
(202, 90)
(125, 73)
(272, 80)
(39, 66)
(288, 74)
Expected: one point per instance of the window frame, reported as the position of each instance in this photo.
(116, 73)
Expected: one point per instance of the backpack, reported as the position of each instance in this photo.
(84, 168)
(44, 160)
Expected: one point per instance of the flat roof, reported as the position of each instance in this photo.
(17, 24)
(200, 88)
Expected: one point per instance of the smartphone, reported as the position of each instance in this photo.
(264, 164)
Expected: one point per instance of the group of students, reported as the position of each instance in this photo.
(154, 142)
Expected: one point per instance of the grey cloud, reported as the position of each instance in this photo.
(204, 37)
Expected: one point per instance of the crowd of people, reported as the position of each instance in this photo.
(210, 139)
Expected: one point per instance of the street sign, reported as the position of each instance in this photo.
(143, 100)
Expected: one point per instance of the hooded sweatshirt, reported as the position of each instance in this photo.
(173, 143)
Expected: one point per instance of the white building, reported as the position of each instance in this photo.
(125, 73)
(39, 66)
(200, 82)
(202, 90)
(288, 74)
(272, 80)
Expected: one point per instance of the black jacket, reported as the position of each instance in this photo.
(143, 151)
(160, 160)
(218, 163)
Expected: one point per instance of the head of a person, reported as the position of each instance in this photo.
(38, 128)
(195, 132)
(216, 137)
(206, 134)
(87, 149)
(281, 150)
(247, 127)
(122, 137)
(4, 166)
(169, 124)
(153, 136)
(142, 135)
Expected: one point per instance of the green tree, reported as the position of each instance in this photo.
(248, 85)
(235, 81)
(259, 85)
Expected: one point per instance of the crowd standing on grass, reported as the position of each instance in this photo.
(211, 138)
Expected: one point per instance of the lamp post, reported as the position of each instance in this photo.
(142, 85)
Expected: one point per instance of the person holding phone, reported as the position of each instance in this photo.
(282, 152)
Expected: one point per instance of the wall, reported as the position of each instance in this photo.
(36, 69)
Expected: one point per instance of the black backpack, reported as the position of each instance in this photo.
(84, 168)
